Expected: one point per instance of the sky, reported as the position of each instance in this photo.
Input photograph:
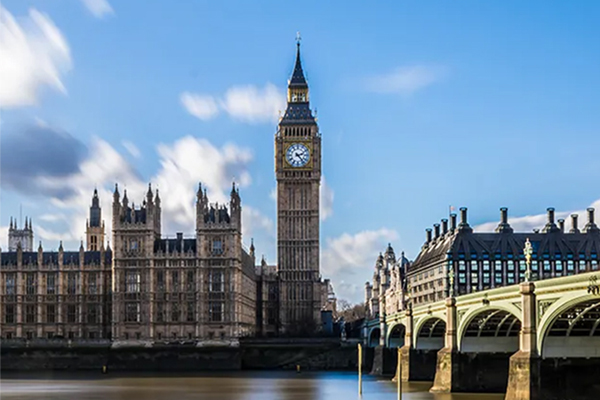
(421, 106)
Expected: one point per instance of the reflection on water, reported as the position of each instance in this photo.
(232, 386)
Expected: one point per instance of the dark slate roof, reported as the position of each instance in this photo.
(298, 113)
(138, 215)
(174, 245)
(506, 245)
(51, 257)
(8, 258)
(217, 215)
(92, 257)
(298, 79)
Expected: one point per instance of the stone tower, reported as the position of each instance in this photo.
(94, 232)
(22, 237)
(298, 173)
(135, 231)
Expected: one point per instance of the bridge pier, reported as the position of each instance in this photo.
(447, 367)
(524, 369)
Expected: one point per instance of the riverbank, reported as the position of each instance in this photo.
(310, 355)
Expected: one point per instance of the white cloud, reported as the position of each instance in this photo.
(99, 8)
(183, 164)
(251, 104)
(348, 260)
(189, 161)
(200, 106)
(34, 54)
(248, 103)
(326, 200)
(530, 222)
(4, 237)
(131, 148)
(405, 80)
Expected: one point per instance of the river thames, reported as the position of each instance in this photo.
(235, 386)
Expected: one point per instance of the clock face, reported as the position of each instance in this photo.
(297, 155)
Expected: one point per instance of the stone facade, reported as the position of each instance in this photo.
(184, 288)
(386, 294)
(48, 294)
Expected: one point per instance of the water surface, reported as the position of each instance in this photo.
(278, 385)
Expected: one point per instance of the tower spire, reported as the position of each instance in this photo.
(298, 80)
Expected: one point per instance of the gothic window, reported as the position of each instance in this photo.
(461, 265)
(92, 314)
(160, 281)
(51, 283)
(9, 313)
(10, 283)
(215, 309)
(132, 312)
(132, 281)
(160, 312)
(217, 247)
(190, 311)
(174, 281)
(216, 282)
(498, 279)
(29, 314)
(594, 265)
(486, 265)
(50, 313)
(498, 265)
(191, 281)
(558, 265)
(175, 312)
(534, 265)
(72, 283)
(474, 278)
(92, 283)
(71, 313)
(30, 283)
(581, 264)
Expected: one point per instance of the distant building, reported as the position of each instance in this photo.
(386, 293)
(481, 261)
(48, 294)
(20, 237)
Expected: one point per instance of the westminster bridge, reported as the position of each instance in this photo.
(533, 340)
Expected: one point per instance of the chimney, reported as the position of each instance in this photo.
(503, 226)
(550, 215)
(590, 226)
(550, 225)
(179, 236)
(444, 226)
(464, 225)
(452, 222)
(436, 229)
(428, 233)
(561, 225)
(463, 216)
(574, 228)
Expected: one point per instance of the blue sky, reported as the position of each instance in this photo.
(421, 105)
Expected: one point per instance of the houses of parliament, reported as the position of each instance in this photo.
(147, 288)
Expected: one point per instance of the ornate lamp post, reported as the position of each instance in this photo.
(528, 251)
(451, 282)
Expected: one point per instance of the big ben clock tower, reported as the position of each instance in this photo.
(298, 172)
